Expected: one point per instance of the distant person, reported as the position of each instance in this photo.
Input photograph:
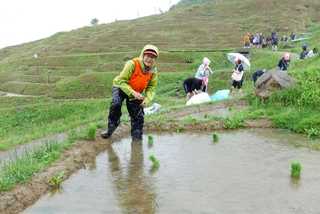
(269, 41)
(315, 51)
(304, 52)
(312, 53)
(192, 86)
(264, 43)
(292, 36)
(283, 64)
(285, 40)
(274, 41)
(138, 76)
(256, 40)
(204, 72)
(257, 74)
(246, 41)
(237, 75)
(251, 38)
(261, 38)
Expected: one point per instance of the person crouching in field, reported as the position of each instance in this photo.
(192, 86)
(284, 62)
(138, 76)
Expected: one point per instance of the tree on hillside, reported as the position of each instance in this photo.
(94, 22)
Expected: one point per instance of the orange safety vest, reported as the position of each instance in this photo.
(139, 80)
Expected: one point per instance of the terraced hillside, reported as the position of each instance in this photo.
(81, 63)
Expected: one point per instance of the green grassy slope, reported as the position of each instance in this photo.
(81, 63)
(190, 24)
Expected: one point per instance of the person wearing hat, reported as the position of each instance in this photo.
(136, 84)
(274, 41)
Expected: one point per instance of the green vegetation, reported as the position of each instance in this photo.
(55, 181)
(295, 169)
(91, 133)
(23, 123)
(192, 24)
(296, 108)
(233, 122)
(155, 162)
(215, 138)
(23, 168)
(150, 141)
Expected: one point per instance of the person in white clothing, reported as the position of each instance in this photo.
(204, 72)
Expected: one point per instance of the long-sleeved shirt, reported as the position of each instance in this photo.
(122, 81)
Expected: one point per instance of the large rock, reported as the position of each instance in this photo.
(272, 81)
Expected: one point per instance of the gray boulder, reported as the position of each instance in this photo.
(272, 81)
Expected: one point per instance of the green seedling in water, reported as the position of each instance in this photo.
(295, 169)
(91, 135)
(55, 181)
(150, 141)
(179, 130)
(155, 162)
(215, 138)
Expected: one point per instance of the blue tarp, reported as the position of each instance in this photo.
(220, 95)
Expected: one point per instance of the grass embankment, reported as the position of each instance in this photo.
(21, 169)
(297, 108)
(23, 123)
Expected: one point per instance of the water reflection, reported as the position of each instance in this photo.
(132, 187)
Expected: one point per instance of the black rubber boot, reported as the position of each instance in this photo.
(105, 134)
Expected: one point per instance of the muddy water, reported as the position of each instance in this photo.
(22, 149)
(246, 172)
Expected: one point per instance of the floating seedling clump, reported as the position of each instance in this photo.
(150, 141)
(295, 169)
(155, 162)
(215, 138)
